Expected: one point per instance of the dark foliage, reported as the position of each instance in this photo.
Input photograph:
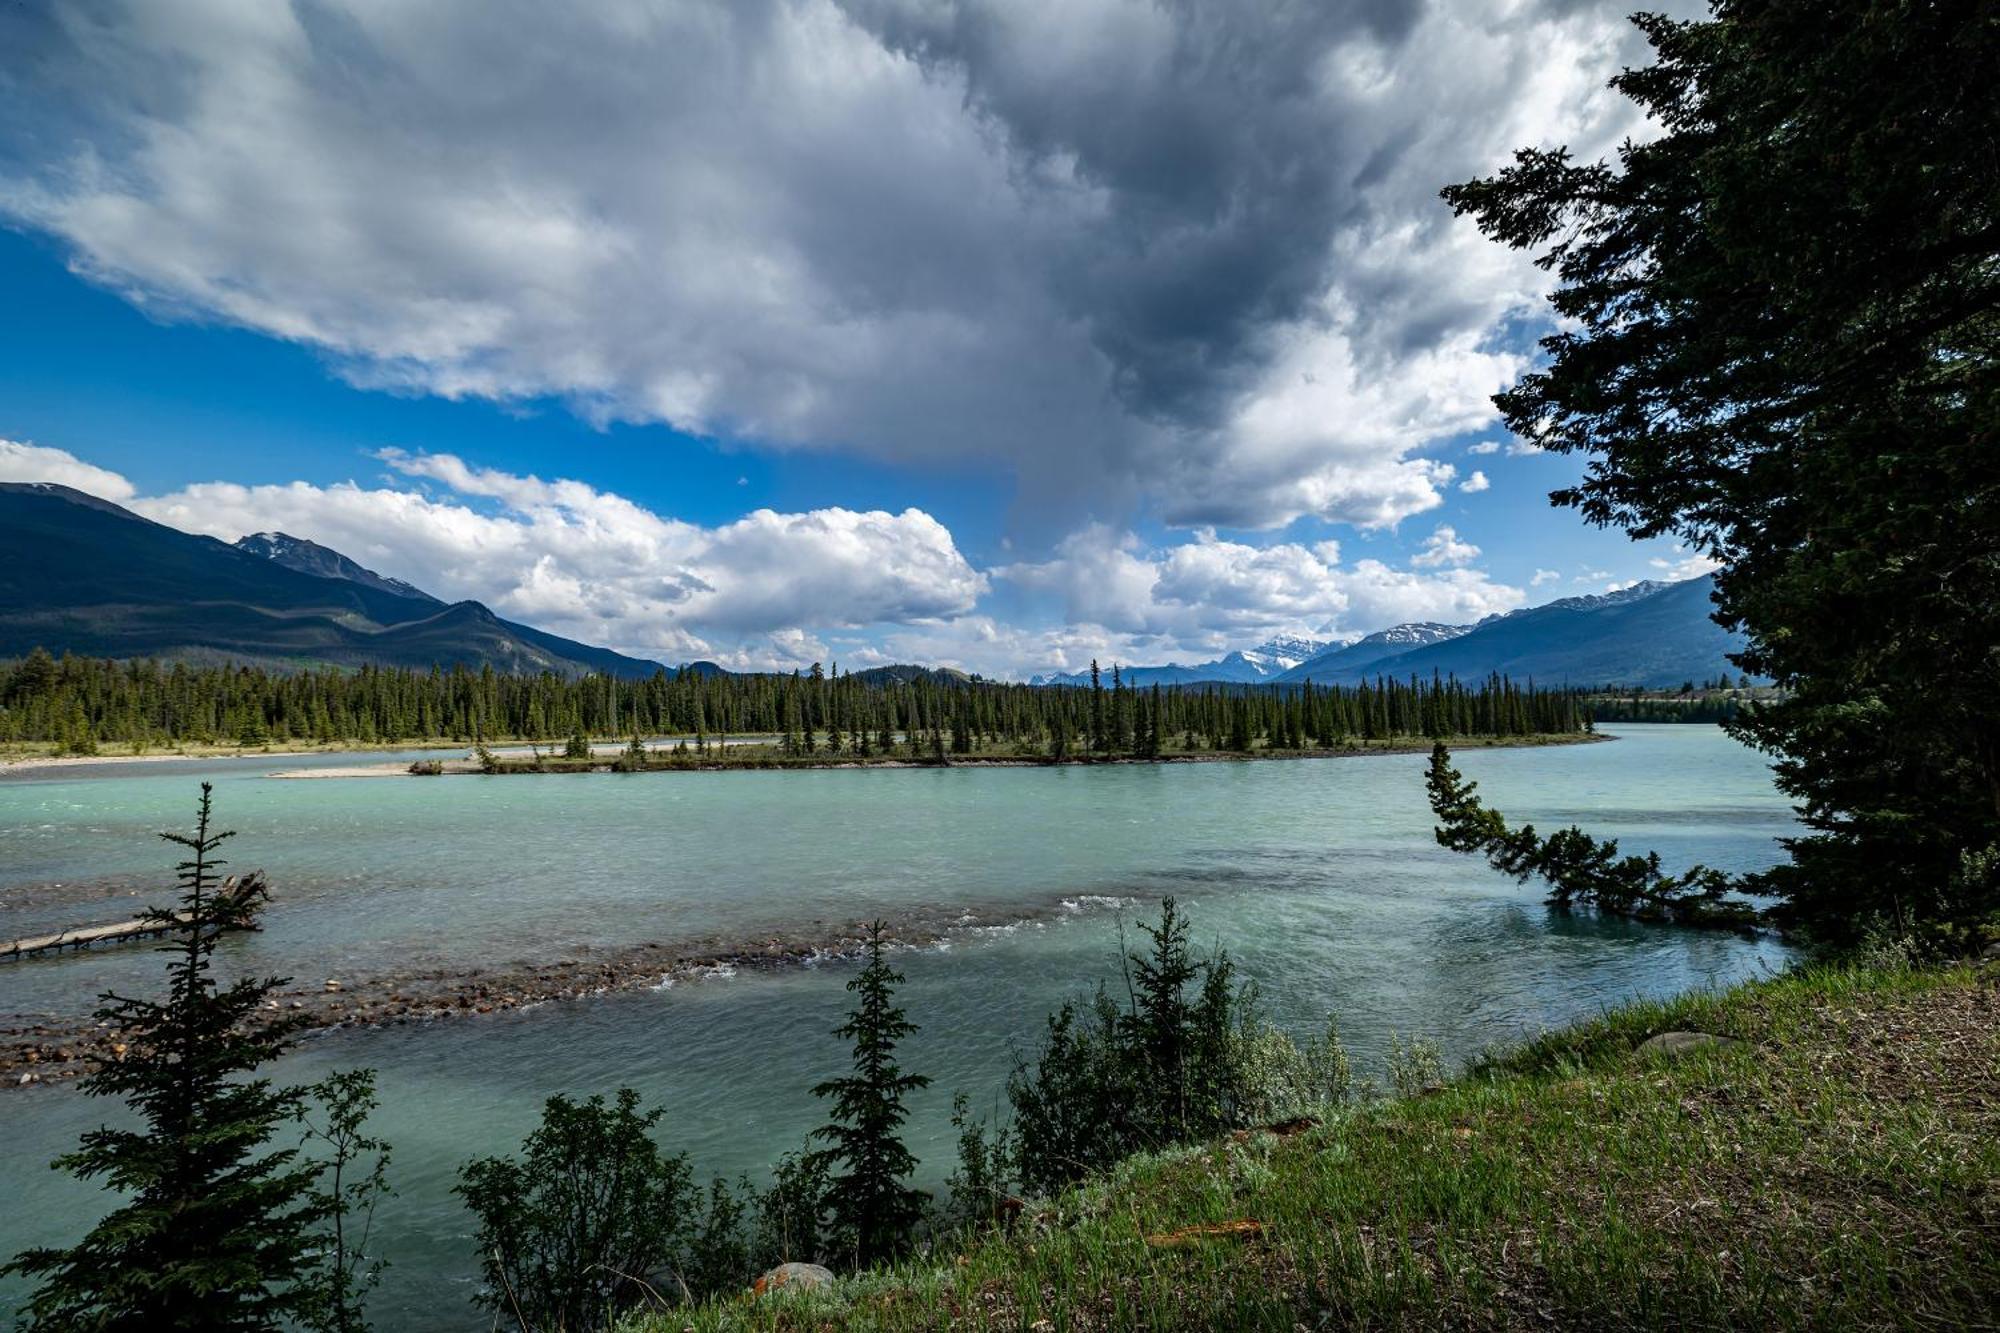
(873, 1210)
(216, 1230)
(1581, 870)
(353, 1182)
(1782, 316)
(592, 1218)
(1110, 1081)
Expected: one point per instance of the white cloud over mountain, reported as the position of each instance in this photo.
(1152, 257)
(34, 462)
(784, 589)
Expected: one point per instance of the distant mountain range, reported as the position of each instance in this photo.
(1269, 660)
(1650, 634)
(80, 574)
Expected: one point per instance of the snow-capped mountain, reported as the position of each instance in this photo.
(1266, 661)
(1376, 647)
(1652, 634)
(1274, 656)
(309, 557)
(1637, 592)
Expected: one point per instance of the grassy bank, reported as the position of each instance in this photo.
(1836, 1166)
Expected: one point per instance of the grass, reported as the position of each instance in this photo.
(1839, 1168)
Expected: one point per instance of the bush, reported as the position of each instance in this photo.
(585, 1224)
(1188, 1057)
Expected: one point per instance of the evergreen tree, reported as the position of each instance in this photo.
(214, 1229)
(874, 1211)
(1778, 344)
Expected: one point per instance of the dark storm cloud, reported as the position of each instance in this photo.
(1181, 256)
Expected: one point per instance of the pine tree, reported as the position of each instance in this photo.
(214, 1232)
(873, 1209)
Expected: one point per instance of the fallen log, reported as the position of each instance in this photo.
(239, 901)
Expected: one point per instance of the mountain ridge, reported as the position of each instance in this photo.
(81, 574)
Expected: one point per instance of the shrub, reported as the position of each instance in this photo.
(575, 1231)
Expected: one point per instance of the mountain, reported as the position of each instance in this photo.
(80, 574)
(1267, 661)
(1383, 643)
(1651, 634)
(902, 674)
(309, 557)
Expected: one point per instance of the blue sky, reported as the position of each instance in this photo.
(1002, 343)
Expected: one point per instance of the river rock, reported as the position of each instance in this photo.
(793, 1277)
(1680, 1043)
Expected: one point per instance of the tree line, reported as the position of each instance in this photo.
(80, 703)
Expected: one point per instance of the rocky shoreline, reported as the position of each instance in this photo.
(58, 1049)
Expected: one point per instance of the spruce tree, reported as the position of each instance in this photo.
(214, 1231)
(1777, 345)
(874, 1210)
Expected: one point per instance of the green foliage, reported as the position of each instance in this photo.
(1781, 316)
(718, 1254)
(791, 1215)
(874, 1212)
(634, 758)
(1829, 1173)
(577, 746)
(1283, 1080)
(1187, 1057)
(980, 1187)
(1579, 869)
(213, 1229)
(584, 1223)
(354, 1181)
(1415, 1065)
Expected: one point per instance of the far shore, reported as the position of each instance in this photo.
(18, 759)
(759, 752)
(767, 759)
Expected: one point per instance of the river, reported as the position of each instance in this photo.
(1319, 876)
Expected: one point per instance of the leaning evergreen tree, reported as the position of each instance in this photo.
(874, 1209)
(1781, 345)
(215, 1231)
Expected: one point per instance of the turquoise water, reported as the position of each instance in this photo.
(1320, 876)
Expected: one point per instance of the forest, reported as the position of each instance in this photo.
(79, 703)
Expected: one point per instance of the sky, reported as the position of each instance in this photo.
(998, 335)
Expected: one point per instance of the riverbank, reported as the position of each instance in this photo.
(1825, 1154)
(738, 757)
(52, 1051)
(753, 751)
(23, 756)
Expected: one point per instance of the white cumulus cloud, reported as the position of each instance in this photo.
(34, 462)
